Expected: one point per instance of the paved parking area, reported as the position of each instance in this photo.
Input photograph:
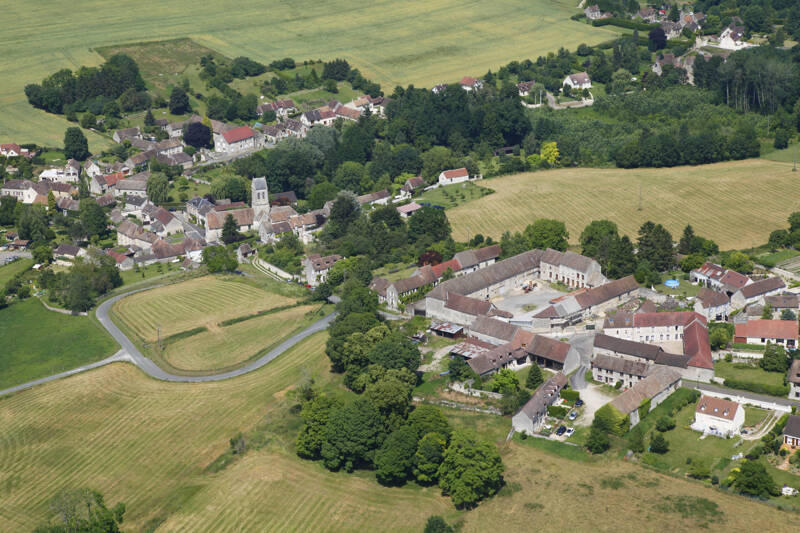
(594, 397)
(515, 303)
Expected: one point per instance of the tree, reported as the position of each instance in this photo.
(428, 225)
(787, 314)
(179, 101)
(718, 338)
(428, 457)
(655, 245)
(395, 458)
(550, 154)
(88, 120)
(8, 205)
(391, 396)
(79, 294)
(738, 261)
(657, 39)
(620, 82)
(111, 109)
(230, 230)
(766, 313)
(350, 176)
(782, 136)
(775, 359)
(429, 419)
(534, 378)
(665, 423)
(32, 224)
(75, 144)
(157, 187)
(636, 440)
(82, 511)
(598, 240)
(315, 414)
(321, 193)
(149, 119)
(219, 259)
(779, 239)
(794, 221)
(547, 233)
(753, 479)
(345, 211)
(597, 441)
(198, 135)
(353, 433)
(659, 444)
(505, 381)
(43, 254)
(470, 471)
(51, 202)
(436, 524)
(231, 187)
(93, 219)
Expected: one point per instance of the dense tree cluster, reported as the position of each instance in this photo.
(85, 281)
(67, 91)
(82, 511)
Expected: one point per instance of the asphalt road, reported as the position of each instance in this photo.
(129, 352)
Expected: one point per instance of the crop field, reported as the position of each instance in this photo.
(419, 42)
(148, 443)
(221, 347)
(205, 301)
(737, 204)
(37, 343)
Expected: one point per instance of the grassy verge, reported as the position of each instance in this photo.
(748, 373)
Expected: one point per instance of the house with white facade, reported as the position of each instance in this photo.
(316, 268)
(469, 83)
(656, 387)
(756, 292)
(581, 80)
(449, 177)
(719, 278)
(573, 270)
(717, 416)
(713, 305)
(761, 332)
(235, 140)
(530, 418)
(23, 190)
(793, 378)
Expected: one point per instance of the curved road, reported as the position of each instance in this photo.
(130, 353)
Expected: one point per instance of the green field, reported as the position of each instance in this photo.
(752, 374)
(737, 204)
(453, 195)
(147, 443)
(12, 269)
(35, 342)
(390, 42)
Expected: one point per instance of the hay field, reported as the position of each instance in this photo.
(737, 204)
(391, 42)
(222, 347)
(199, 302)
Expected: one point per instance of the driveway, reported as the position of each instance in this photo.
(516, 302)
(594, 397)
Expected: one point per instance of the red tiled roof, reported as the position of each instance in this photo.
(441, 268)
(677, 318)
(696, 346)
(113, 179)
(717, 407)
(768, 329)
(238, 134)
(456, 173)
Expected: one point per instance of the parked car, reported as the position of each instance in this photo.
(569, 432)
(578, 402)
(573, 415)
(561, 430)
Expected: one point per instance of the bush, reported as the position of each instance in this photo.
(665, 423)
(597, 442)
(557, 411)
(570, 396)
(758, 388)
(658, 444)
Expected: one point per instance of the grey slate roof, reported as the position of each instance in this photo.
(618, 364)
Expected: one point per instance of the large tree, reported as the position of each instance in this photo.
(230, 230)
(198, 135)
(353, 433)
(315, 414)
(547, 233)
(82, 511)
(655, 246)
(428, 225)
(219, 259)
(428, 457)
(470, 471)
(179, 101)
(157, 188)
(395, 459)
(93, 219)
(753, 479)
(598, 240)
(75, 144)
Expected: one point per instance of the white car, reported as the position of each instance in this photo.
(569, 432)
(573, 415)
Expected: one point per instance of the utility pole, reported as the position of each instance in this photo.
(158, 328)
(640, 197)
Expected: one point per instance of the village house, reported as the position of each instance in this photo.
(580, 80)
(613, 370)
(130, 187)
(68, 252)
(593, 12)
(282, 108)
(783, 302)
(791, 432)
(164, 223)
(131, 234)
(524, 88)
(656, 388)
(122, 261)
(649, 15)
(216, 219)
(611, 356)
(236, 140)
(449, 177)
(245, 252)
(581, 304)
(323, 116)
(469, 83)
(573, 270)
(756, 292)
(375, 198)
(70, 173)
(414, 184)
(13, 150)
(65, 205)
(408, 209)
(175, 129)
(317, 268)
(717, 416)
(134, 205)
(23, 190)
(718, 278)
(198, 207)
(713, 305)
(127, 134)
(475, 259)
(761, 332)
(92, 168)
(532, 415)
(732, 38)
(793, 378)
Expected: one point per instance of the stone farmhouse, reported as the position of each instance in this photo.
(718, 278)
(532, 415)
(29, 192)
(374, 198)
(793, 378)
(165, 223)
(756, 292)
(612, 357)
(581, 80)
(717, 416)
(656, 387)
(579, 305)
(127, 134)
(783, 302)
(713, 305)
(215, 220)
(131, 234)
(282, 108)
(317, 268)
(238, 139)
(449, 177)
(782, 332)
(573, 270)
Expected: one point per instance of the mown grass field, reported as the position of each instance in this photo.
(453, 195)
(10, 270)
(148, 443)
(205, 301)
(752, 374)
(419, 42)
(737, 204)
(221, 347)
(35, 342)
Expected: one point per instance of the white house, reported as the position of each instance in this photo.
(783, 332)
(732, 38)
(235, 140)
(713, 305)
(23, 190)
(794, 380)
(755, 293)
(449, 177)
(317, 268)
(469, 83)
(580, 80)
(717, 416)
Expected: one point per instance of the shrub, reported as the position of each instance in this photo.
(570, 395)
(665, 423)
(557, 411)
(658, 444)
(759, 388)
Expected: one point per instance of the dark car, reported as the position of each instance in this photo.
(561, 430)
(578, 403)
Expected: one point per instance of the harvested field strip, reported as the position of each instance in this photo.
(236, 320)
(737, 204)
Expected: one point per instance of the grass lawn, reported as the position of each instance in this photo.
(395, 271)
(37, 343)
(147, 443)
(12, 269)
(454, 195)
(763, 190)
(685, 288)
(200, 302)
(777, 257)
(753, 416)
(744, 372)
(130, 277)
(419, 42)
